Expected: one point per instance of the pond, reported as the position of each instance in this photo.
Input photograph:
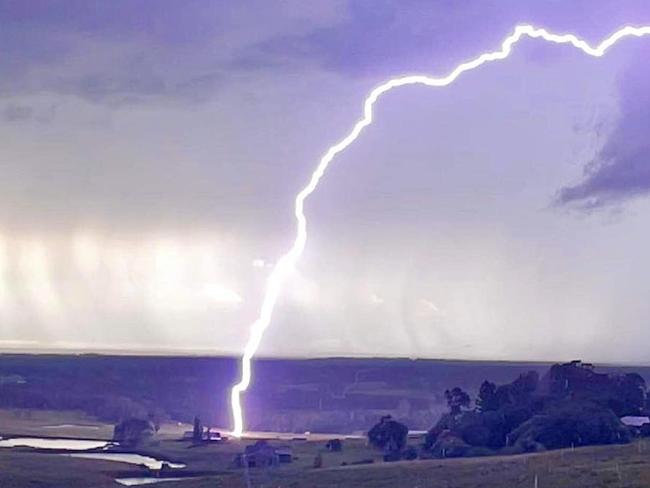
(148, 481)
(45, 443)
(123, 457)
(86, 445)
(72, 426)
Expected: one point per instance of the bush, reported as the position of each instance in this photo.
(410, 453)
(446, 422)
(388, 434)
(479, 452)
(572, 405)
(644, 431)
(449, 445)
(573, 423)
(133, 431)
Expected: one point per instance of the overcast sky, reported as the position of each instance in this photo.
(151, 152)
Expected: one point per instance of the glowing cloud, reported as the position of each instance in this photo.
(222, 295)
(287, 262)
(430, 306)
(4, 288)
(35, 266)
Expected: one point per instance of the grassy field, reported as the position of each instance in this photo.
(592, 467)
(607, 466)
(28, 469)
(610, 466)
(48, 423)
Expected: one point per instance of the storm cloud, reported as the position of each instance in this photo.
(152, 150)
(621, 169)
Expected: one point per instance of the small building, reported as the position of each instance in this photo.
(416, 434)
(262, 454)
(206, 436)
(210, 436)
(285, 454)
(633, 421)
(334, 445)
(636, 423)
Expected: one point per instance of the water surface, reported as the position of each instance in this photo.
(42, 443)
(147, 481)
(124, 457)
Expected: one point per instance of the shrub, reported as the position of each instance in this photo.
(133, 431)
(572, 423)
(388, 434)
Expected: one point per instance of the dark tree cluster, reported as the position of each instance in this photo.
(571, 405)
(133, 431)
(390, 436)
(623, 394)
(457, 400)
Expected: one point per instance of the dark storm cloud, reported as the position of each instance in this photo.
(108, 52)
(138, 86)
(156, 226)
(166, 21)
(123, 52)
(17, 113)
(621, 169)
(386, 37)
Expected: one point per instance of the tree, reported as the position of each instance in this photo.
(524, 386)
(457, 399)
(570, 423)
(197, 432)
(388, 434)
(156, 416)
(487, 400)
(623, 394)
(117, 408)
(133, 431)
(573, 404)
(632, 394)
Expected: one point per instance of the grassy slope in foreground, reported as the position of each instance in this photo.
(625, 466)
(33, 469)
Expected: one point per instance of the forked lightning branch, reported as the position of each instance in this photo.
(287, 262)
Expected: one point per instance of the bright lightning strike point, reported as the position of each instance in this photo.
(288, 261)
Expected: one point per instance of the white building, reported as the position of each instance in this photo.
(632, 421)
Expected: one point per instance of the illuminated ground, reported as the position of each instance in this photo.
(607, 466)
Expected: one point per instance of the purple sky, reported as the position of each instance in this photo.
(152, 151)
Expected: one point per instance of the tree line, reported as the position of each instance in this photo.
(570, 405)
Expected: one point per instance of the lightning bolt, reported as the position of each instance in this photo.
(288, 261)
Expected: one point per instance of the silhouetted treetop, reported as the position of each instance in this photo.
(457, 400)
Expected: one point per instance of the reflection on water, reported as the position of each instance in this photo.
(149, 462)
(146, 481)
(40, 443)
(72, 426)
(83, 445)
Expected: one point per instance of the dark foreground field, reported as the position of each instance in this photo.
(593, 467)
(621, 466)
(614, 466)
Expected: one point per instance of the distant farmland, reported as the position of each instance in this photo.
(322, 395)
